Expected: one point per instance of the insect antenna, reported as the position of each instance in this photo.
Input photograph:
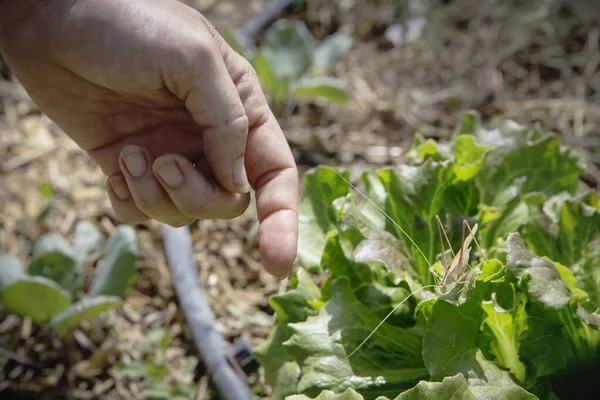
(388, 217)
(460, 257)
(476, 242)
(387, 317)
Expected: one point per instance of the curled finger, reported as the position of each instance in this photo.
(193, 193)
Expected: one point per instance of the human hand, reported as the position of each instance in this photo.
(174, 117)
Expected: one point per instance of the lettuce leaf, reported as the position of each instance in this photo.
(523, 312)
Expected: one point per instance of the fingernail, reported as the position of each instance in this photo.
(135, 161)
(240, 179)
(282, 277)
(169, 172)
(119, 187)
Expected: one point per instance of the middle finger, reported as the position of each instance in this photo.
(148, 195)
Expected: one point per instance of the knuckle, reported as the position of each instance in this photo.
(252, 75)
(238, 122)
(204, 48)
(244, 71)
(195, 50)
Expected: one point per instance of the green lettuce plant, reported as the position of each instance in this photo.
(522, 315)
(47, 290)
(291, 63)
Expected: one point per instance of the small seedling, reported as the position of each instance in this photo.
(156, 381)
(290, 63)
(47, 290)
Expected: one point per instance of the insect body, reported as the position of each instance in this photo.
(454, 270)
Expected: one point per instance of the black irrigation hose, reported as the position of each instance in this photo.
(208, 340)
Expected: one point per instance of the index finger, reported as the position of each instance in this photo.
(270, 167)
(196, 73)
(273, 174)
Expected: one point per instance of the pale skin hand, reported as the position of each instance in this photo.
(148, 88)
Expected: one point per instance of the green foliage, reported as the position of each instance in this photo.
(116, 271)
(47, 291)
(54, 258)
(153, 369)
(82, 310)
(46, 191)
(291, 64)
(35, 296)
(523, 311)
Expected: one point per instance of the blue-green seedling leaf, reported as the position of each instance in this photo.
(116, 271)
(54, 258)
(82, 310)
(329, 52)
(35, 296)
(11, 269)
(322, 87)
(87, 239)
(289, 47)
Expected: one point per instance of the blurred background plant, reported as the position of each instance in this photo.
(47, 291)
(152, 369)
(292, 64)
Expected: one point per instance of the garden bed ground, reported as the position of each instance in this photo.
(535, 63)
